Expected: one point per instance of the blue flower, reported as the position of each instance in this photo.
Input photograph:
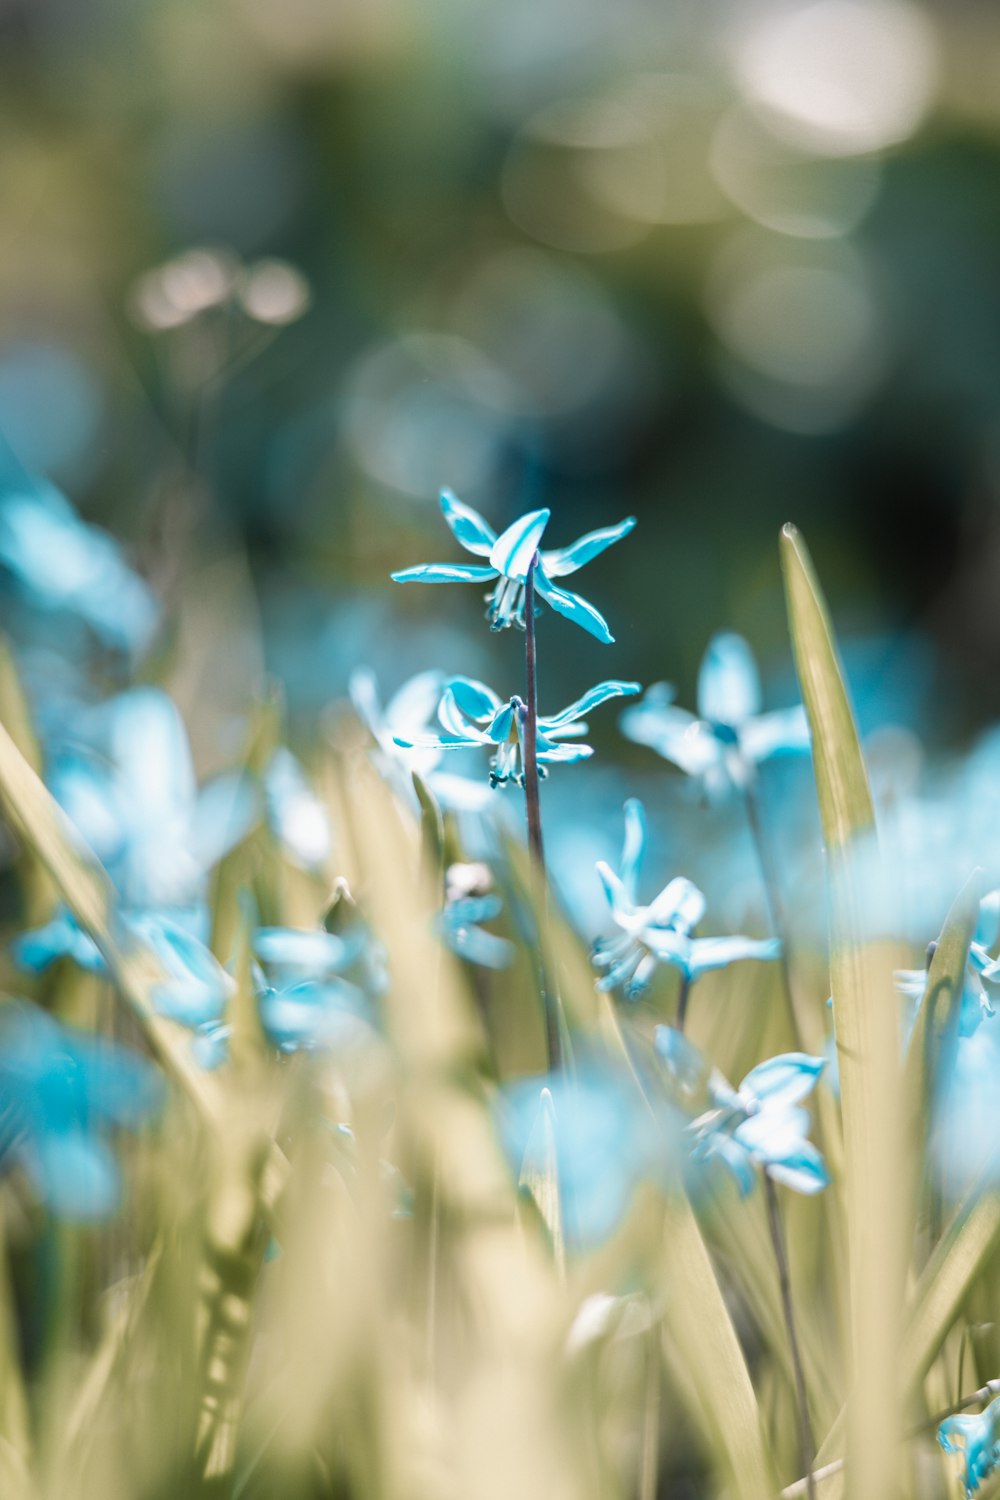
(758, 1124)
(980, 970)
(135, 801)
(660, 932)
(510, 558)
(195, 988)
(595, 1129)
(729, 735)
(472, 716)
(60, 937)
(60, 1092)
(60, 564)
(305, 1002)
(977, 1439)
(468, 903)
(294, 812)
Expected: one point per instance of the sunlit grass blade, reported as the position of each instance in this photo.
(700, 1328)
(931, 1049)
(956, 1262)
(867, 1027)
(39, 822)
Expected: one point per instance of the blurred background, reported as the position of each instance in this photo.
(271, 274)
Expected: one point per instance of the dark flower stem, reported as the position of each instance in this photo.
(550, 1004)
(806, 1445)
(772, 888)
(682, 1001)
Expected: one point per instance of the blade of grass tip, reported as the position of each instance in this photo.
(867, 1025)
(931, 1052)
(539, 1176)
(698, 1324)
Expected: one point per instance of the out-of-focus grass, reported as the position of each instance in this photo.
(326, 1280)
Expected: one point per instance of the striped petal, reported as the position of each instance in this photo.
(445, 573)
(591, 698)
(467, 525)
(574, 607)
(567, 559)
(512, 552)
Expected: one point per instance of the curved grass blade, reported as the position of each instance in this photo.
(866, 1020)
(698, 1323)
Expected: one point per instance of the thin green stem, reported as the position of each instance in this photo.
(533, 804)
(772, 887)
(531, 779)
(806, 1444)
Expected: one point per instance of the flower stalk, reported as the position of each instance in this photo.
(533, 803)
(806, 1444)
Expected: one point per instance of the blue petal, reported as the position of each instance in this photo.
(549, 754)
(314, 1016)
(474, 699)
(312, 952)
(988, 922)
(784, 1079)
(619, 897)
(574, 607)
(225, 811)
(634, 845)
(412, 705)
(672, 732)
(784, 732)
(680, 905)
(295, 813)
(567, 559)
(512, 552)
(591, 698)
(804, 1170)
(60, 938)
(444, 573)
(499, 727)
(76, 1175)
(197, 986)
(684, 1062)
(719, 952)
(734, 1157)
(467, 525)
(728, 683)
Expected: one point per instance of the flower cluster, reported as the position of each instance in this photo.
(661, 932)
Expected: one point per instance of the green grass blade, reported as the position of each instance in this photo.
(866, 1020)
(935, 1033)
(698, 1323)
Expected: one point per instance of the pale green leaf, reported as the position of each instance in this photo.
(867, 1026)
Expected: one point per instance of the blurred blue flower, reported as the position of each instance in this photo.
(510, 557)
(306, 1003)
(980, 970)
(977, 1439)
(133, 798)
(469, 903)
(294, 813)
(472, 716)
(60, 937)
(758, 1124)
(195, 988)
(729, 735)
(660, 932)
(60, 1092)
(596, 1129)
(60, 564)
